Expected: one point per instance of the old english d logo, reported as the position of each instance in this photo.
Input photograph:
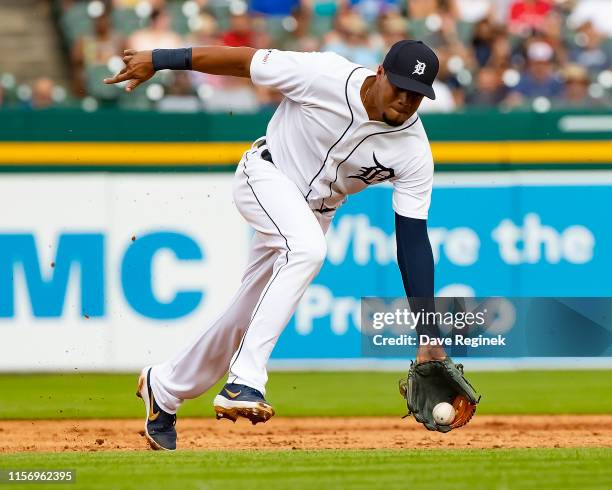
(374, 175)
(419, 68)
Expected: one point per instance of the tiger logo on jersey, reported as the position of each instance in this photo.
(374, 175)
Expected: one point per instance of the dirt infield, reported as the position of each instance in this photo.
(311, 433)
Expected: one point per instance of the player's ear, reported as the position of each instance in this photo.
(380, 71)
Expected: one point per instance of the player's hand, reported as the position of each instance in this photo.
(138, 69)
(430, 353)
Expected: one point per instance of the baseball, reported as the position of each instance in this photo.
(444, 413)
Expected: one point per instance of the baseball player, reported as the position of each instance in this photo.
(339, 129)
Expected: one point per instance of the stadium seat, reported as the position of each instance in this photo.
(320, 25)
(220, 11)
(75, 21)
(125, 21)
(418, 29)
(94, 74)
(137, 100)
(276, 30)
(465, 31)
(180, 23)
(10, 96)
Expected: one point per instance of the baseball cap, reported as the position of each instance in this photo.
(412, 65)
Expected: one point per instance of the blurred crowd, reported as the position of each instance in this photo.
(512, 54)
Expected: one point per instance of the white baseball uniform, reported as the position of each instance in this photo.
(323, 147)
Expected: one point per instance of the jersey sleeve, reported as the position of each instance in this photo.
(288, 71)
(412, 188)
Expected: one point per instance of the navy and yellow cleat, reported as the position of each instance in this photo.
(159, 425)
(237, 400)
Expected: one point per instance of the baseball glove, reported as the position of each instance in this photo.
(433, 382)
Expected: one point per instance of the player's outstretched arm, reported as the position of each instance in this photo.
(416, 264)
(216, 60)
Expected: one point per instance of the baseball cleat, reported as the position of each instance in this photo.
(159, 425)
(236, 400)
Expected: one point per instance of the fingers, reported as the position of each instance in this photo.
(128, 73)
(132, 85)
(122, 76)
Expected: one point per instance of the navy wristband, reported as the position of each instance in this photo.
(172, 59)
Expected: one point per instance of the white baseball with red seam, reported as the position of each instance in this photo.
(444, 413)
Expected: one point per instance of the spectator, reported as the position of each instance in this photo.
(205, 32)
(273, 7)
(589, 50)
(42, 94)
(370, 10)
(539, 79)
(501, 52)
(316, 17)
(157, 35)
(452, 94)
(551, 32)
(500, 11)
(227, 94)
(598, 12)
(446, 36)
(240, 32)
(455, 55)
(474, 10)
(528, 15)
(444, 102)
(180, 96)
(238, 95)
(482, 41)
(489, 90)
(94, 49)
(351, 40)
(130, 4)
(476, 41)
(576, 89)
(420, 9)
(308, 43)
(393, 28)
(235, 95)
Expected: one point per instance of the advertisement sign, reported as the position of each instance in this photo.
(116, 271)
(113, 272)
(493, 234)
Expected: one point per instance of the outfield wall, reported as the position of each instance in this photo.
(142, 141)
(112, 271)
(118, 244)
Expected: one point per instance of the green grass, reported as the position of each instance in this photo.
(419, 469)
(301, 394)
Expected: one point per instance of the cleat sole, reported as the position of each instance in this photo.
(260, 413)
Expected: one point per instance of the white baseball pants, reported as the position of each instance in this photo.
(287, 252)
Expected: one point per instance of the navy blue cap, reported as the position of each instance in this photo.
(412, 65)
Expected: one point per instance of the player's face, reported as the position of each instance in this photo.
(396, 104)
